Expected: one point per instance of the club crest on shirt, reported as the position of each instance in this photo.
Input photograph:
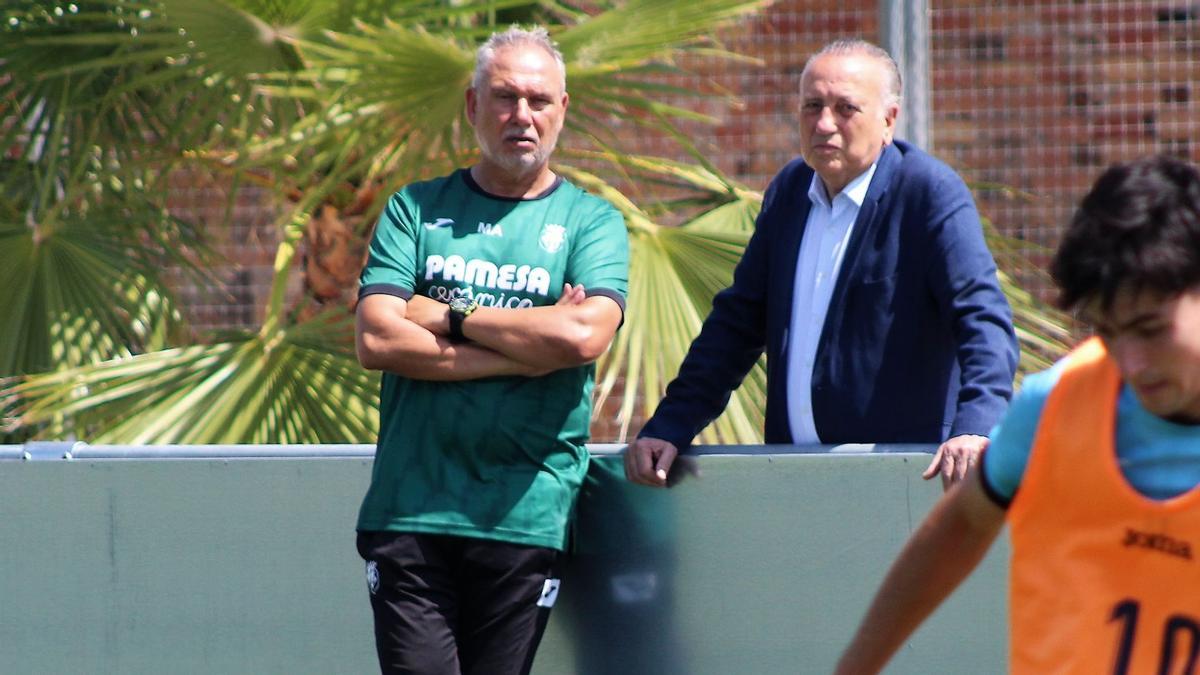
(552, 237)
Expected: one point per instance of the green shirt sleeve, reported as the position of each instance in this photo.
(599, 258)
(392, 254)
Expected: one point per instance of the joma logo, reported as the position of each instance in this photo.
(1157, 542)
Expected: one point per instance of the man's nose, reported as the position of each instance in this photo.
(523, 113)
(825, 122)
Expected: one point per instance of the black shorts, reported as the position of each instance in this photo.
(450, 605)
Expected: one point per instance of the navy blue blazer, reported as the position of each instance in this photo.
(918, 344)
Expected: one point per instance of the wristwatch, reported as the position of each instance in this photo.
(460, 308)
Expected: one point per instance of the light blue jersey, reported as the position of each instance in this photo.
(1160, 459)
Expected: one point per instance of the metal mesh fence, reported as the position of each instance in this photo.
(239, 223)
(1038, 97)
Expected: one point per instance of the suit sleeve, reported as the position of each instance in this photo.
(962, 275)
(731, 340)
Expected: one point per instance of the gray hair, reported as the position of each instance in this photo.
(850, 46)
(515, 36)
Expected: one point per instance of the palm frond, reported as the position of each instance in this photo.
(642, 30)
(674, 274)
(88, 285)
(659, 329)
(145, 81)
(1043, 331)
(381, 88)
(301, 385)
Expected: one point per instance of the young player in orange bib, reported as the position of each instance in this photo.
(1096, 465)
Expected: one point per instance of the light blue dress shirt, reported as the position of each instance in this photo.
(822, 248)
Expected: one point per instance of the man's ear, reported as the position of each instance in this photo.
(889, 121)
(472, 103)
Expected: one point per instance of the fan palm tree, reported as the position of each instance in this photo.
(331, 106)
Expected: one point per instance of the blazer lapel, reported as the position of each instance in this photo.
(787, 253)
(864, 224)
(781, 276)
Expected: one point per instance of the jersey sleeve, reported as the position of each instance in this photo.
(600, 256)
(392, 254)
(1012, 440)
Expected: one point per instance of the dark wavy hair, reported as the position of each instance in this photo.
(1138, 228)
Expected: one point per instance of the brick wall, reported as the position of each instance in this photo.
(246, 245)
(1040, 96)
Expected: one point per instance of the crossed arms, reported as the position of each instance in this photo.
(410, 337)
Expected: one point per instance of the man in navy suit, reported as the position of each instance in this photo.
(867, 282)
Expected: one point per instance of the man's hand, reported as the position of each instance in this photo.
(571, 295)
(954, 457)
(430, 314)
(648, 461)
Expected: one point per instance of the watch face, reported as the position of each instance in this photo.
(460, 304)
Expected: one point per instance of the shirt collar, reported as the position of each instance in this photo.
(855, 190)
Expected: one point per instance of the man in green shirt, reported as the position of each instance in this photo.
(487, 296)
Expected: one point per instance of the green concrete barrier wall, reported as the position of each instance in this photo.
(762, 564)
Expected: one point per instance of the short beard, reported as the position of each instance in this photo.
(519, 165)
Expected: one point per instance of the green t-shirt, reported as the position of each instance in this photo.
(502, 457)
